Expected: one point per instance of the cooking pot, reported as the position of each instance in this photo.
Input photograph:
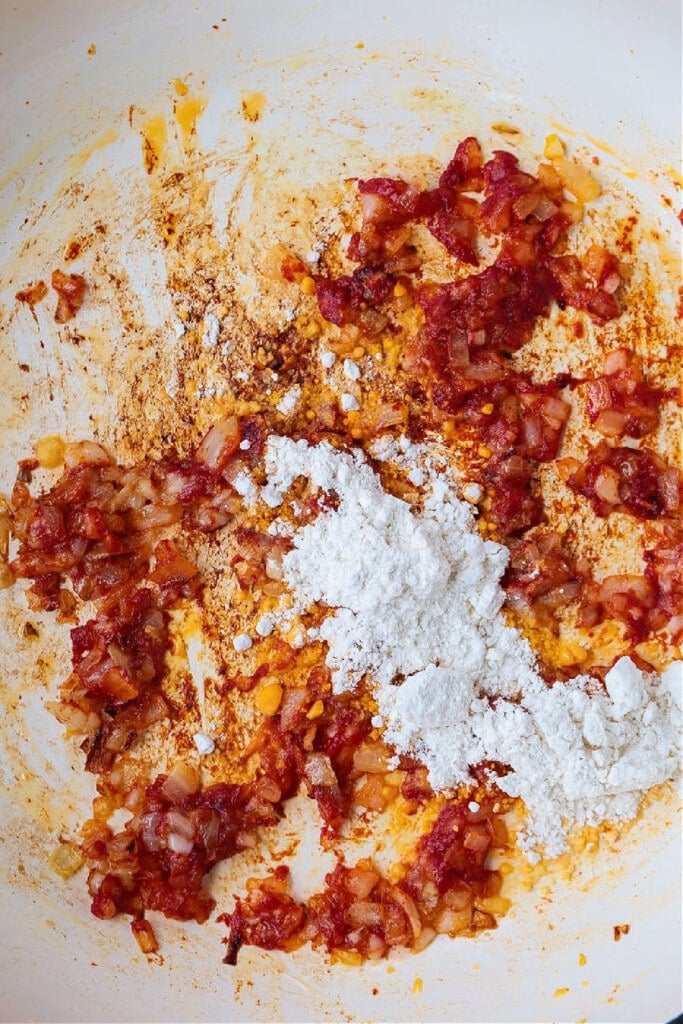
(319, 91)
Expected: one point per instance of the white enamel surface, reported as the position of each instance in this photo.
(428, 74)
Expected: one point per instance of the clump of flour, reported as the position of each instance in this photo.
(416, 601)
(576, 756)
(410, 589)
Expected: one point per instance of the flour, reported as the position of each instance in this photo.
(351, 369)
(245, 487)
(409, 589)
(420, 462)
(289, 401)
(212, 327)
(349, 402)
(416, 600)
(576, 755)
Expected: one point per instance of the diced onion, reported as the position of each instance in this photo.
(458, 350)
(598, 394)
(178, 844)
(376, 947)
(152, 517)
(668, 485)
(458, 899)
(370, 792)
(617, 360)
(292, 703)
(274, 570)
(365, 915)
(610, 283)
(179, 824)
(544, 209)
(425, 938)
(370, 757)
(148, 830)
(182, 781)
(373, 207)
(220, 443)
(319, 770)
(555, 411)
(409, 908)
(607, 485)
(532, 431)
(269, 790)
(360, 882)
(245, 841)
(144, 935)
(476, 840)
(85, 451)
(450, 922)
(611, 422)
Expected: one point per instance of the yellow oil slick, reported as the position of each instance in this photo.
(603, 146)
(502, 128)
(187, 112)
(23, 165)
(626, 172)
(154, 137)
(253, 105)
(562, 129)
(77, 162)
(299, 61)
(675, 175)
(181, 88)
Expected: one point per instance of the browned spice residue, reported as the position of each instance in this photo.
(32, 295)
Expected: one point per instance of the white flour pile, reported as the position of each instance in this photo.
(417, 601)
(575, 755)
(410, 589)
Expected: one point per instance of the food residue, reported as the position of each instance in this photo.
(388, 520)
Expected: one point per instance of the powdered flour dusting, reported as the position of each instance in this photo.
(417, 601)
(410, 589)
(576, 755)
